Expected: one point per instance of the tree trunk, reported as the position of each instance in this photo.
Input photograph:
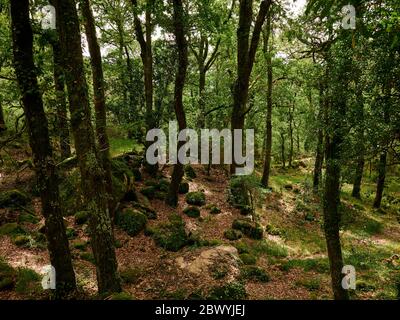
(45, 168)
(61, 108)
(99, 100)
(246, 52)
(291, 142)
(179, 30)
(268, 133)
(380, 185)
(2, 121)
(283, 156)
(319, 157)
(92, 174)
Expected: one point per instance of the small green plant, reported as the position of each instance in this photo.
(251, 229)
(196, 198)
(183, 187)
(230, 291)
(87, 256)
(81, 217)
(27, 281)
(254, 273)
(131, 275)
(232, 234)
(248, 259)
(131, 221)
(190, 173)
(192, 212)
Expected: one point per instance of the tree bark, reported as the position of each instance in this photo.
(319, 157)
(291, 142)
(61, 108)
(180, 77)
(92, 174)
(246, 52)
(380, 185)
(268, 133)
(283, 156)
(99, 100)
(45, 168)
(2, 121)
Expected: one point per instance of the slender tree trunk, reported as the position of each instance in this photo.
(179, 30)
(99, 100)
(268, 133)
(146, 53)
(380, 185)
(246, 52)
(92, 174)
(319, 157)
(2, 121)
(283, 152)
(45, 168)
(291, 142)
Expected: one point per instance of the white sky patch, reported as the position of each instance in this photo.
(297, 7)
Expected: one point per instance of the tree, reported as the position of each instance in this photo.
(45, 168)
(246, 53)
(182, 47)
(99, 99)
(92, 174)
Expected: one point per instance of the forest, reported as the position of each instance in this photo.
(199, 150)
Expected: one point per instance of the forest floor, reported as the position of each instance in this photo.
(289, 262)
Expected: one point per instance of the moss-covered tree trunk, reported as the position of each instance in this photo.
(319, 156)
(268, 127)
(45, 168)
(181, 44)
(61, 101)
(99, 99)
(2, 120)
(92, 173)
(380, 184)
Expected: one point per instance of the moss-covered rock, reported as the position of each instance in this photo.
(183, 187)
(11, 229)
(149, 192)
(171, 235)
(163, 185)
(146, 210)
(230, 291)
(81, 217)
(121, 296)
(131, 221)
(196, 198)
(21, 240)
(190, 173)
(29, 218)
(233, 234)
(7, 276)
(251, 229)
(238, 194)
(192, 212)
(120, 169)
(13, 199)
(248, 259)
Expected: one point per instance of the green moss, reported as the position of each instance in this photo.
(131, 275)
(149, 192)
(190, 173)
(215, 210)
(71, 193)
(320, 265)
(21, 240)
(230, 291)
(80, 245)
(196, 198)
(183, 188)
(27, 217)
(233, 234)
(254, 273)
(81, 217)
(248, 259)
(171, 235)
(71, 233)
(272, 230)
(13, 199)
(11, 229)
(251, 229)
(312, 284)
(87, 256)
(242, 247)
(7, 276)
(121, 296)
(373, 227)
(163, 185)
(28, 281)
(192, 212)
(131, 221)
(147, 211)
(120, 169)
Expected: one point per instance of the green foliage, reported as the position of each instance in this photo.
(192, 212)
(251, 229)
(80, 245)
(373, 227)
(149, 192)
(254, 273)
(320, 265)
(7, 276)
(215, 210)
(248, 259)
(21, 240)
(28, 282)
(27, 217)
(183, 187)
(11, 229)
(131, 275)
(121, 296)
(196, 198)
(87, 256)
(131, 221)
(81, 217)
(13, 199)
(171, 235)
(232, 234)
(190, 173)
(312, 284)
(230, 291)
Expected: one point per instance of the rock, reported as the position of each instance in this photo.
(251, 229)
(233, 234)
(131, 221)
(13, 199)
(208, 259)
(146, 210)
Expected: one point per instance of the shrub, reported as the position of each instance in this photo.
(183, 188)
(192, 212)
(7, 276)
(196, 198)
(13, 198)
(254, 273)
(230, 291)
(21, 240)
(215, 210)
(171, 235)
(190, 173)
(131, 275)
(81, 217)
(27, 281)
(149, 192)
(248, 258)
(131, 221)
(11, 229)
(232, 234)
(251, 229)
